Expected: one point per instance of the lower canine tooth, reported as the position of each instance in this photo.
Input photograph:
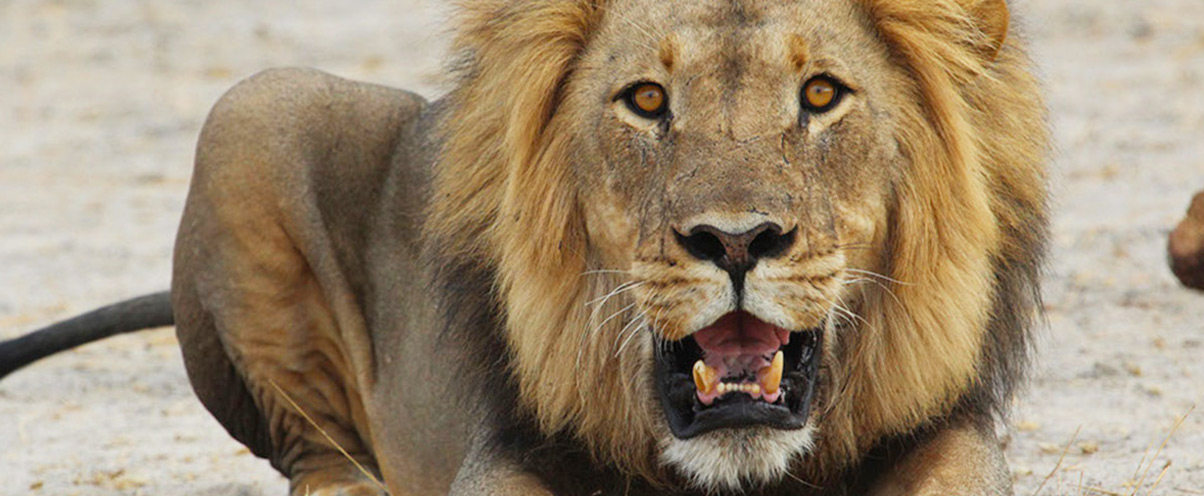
(705, 377)
(771, 376)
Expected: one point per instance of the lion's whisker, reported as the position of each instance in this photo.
(596, 311)
(845, 382)
(611, 317)
(840, 303)
(601, 303)
(846, 312)
(595, 329)
(627, 286)
(605, 271)
(635, 331)
(877, 275)
(643, 315)
(655, 332)
(628, 327)
(803, 482)
(855, 281)
(594, 314)
(850, 319)
(878, 283)
(841, 319)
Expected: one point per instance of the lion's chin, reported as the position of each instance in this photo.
(736, 459)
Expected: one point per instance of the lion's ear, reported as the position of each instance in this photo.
(992, 18)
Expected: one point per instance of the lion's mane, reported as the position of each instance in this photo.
(965, 242)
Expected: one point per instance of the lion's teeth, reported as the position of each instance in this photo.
(771, 376)
(705, 377)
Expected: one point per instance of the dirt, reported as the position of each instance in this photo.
(102, 101)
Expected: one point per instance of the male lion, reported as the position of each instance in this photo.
(644, 247)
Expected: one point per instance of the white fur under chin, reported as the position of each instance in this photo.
(737, 459)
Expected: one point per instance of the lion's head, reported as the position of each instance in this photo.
(732, 238)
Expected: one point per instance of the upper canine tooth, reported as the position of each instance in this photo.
(705, 377)
(771, 376)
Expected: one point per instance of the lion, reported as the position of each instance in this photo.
(642, 247)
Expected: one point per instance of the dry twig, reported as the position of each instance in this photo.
(1178, 423)
(328, 438)
(1060, 459)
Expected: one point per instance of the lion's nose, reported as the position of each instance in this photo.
(736, 253)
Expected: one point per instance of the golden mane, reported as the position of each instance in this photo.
(967, 205)
(503, 198)
(966, 233)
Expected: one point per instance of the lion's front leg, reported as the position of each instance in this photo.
(963, 459)
(498, 480)
(486, 471)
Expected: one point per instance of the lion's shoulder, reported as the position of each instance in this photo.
(303, 111)
(302, 134)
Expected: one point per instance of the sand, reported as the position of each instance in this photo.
(102, 102)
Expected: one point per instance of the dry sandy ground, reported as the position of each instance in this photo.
(101, 100)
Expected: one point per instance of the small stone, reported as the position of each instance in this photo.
(1185, 246)
(1088, 447)
(1049, 448)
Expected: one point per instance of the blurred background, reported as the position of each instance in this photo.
(101, 102)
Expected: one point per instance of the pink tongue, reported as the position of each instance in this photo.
(742, 340)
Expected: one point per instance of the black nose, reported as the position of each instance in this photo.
(736, 253)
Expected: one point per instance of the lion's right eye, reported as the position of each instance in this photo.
(647, 100)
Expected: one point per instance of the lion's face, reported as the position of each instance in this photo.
(735, 169)
(729, 234)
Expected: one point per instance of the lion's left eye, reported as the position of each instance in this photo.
(821, 94)
(647, 100)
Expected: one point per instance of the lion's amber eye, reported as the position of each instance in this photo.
(820, 94)
(647, 100)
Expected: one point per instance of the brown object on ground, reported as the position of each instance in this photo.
(1186, 246)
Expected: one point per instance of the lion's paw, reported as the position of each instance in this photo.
(327, 484)
(357, 490)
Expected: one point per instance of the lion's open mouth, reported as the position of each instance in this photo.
(737, 372)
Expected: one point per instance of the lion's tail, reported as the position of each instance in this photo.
(143, 312)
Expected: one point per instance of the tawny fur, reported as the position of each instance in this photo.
(974, 136)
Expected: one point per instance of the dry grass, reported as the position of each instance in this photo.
(331, 440)
(1061, 458)
(1175, 428)
(1134, 486)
